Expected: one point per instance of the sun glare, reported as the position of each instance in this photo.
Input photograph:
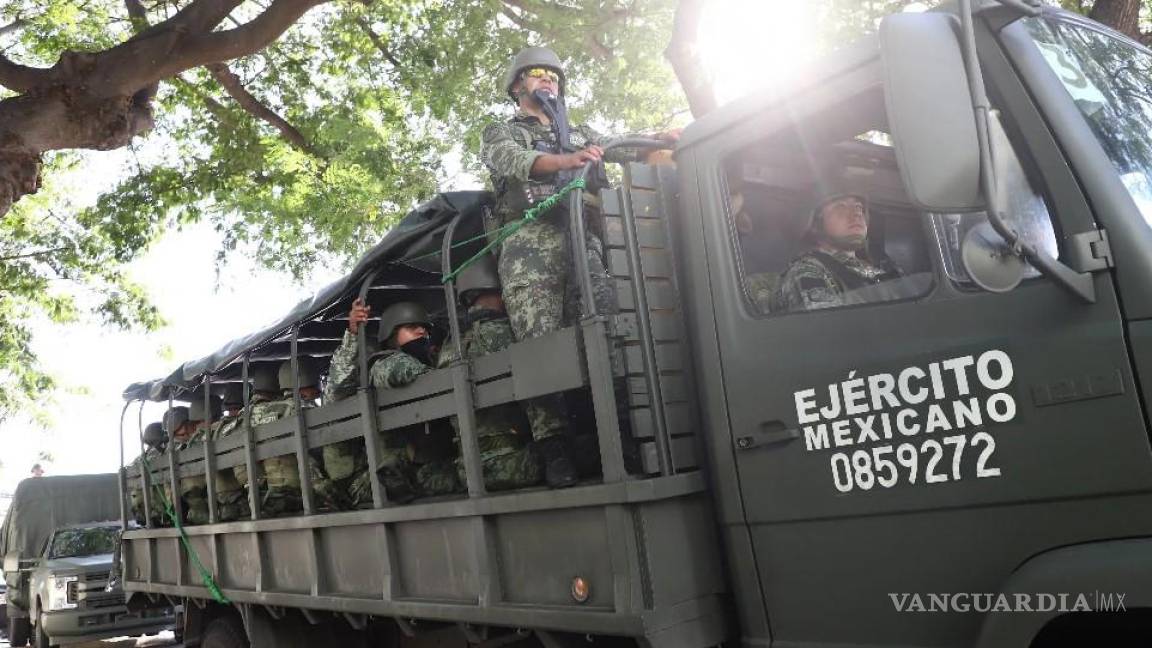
(748, 45)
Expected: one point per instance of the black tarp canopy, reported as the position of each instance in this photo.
(41, 504)
(409, 259)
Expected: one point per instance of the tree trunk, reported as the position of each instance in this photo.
(683, 53)
(1121, 15)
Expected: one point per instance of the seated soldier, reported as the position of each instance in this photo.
(266, 407)
(506, 459)
(194, 489)
(406, 354)
(282, 474)
(155, 444)
(819, 278)
(231, 502)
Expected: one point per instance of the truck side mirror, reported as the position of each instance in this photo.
(12, 562)
(930, 113)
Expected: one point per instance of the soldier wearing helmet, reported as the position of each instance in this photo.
(231, 501)
(406, 352)
(267, 405)
(837, 228)
(528, 162)
(282, 488)
(501, 430)
(155, 441)
(198, 420)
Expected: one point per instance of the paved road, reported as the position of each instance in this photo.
(164, 639)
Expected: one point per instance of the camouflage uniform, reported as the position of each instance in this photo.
(231, 500)
(155, 498)
(507, 462)
(818, 279)
(194, 489)
(535, 262)
(282, 474)
(346, 462)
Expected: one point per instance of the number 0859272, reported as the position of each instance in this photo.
(931, 461)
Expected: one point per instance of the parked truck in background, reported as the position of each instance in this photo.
(57, 544)
(975, 430)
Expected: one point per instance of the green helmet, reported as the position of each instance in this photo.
(399, 314)
(154, 435)
(233, 395)
(830, 186)
(531, 57)
(174, 418)
(196, 411)
(480, 275)
(309, 373)
(264, 378)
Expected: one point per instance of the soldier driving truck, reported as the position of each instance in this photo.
(956, 456)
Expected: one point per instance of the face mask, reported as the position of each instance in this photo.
(421, 349)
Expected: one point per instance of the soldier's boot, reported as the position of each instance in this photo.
(281, 500)
(559, 469)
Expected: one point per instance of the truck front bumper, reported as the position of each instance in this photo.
(71, 626)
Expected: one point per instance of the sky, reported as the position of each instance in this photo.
(748, 44)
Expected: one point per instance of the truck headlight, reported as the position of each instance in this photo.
(61, 593)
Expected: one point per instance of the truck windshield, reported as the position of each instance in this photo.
(71, 543)
(1110, 80)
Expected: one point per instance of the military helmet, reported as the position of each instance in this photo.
(480, 275)
(532, 57)
(196, 411)
(233, 394)
(399, 314)
(154, 435)
(309, 373)
(174, 418)
(829, 187)
(264, 378)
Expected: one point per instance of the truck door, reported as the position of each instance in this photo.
(923, 436)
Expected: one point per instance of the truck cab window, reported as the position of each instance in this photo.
(821, 220)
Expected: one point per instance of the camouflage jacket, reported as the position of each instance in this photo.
(510, 148)
(811, 281)
(388, 369)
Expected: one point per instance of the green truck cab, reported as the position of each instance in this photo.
(958, 457)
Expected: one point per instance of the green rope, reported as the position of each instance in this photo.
(205, 575)
(509, 229)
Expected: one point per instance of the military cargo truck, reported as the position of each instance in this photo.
(959, 456)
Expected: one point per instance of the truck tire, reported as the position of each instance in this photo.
(225, 632)
(40, 638)
(18, 631)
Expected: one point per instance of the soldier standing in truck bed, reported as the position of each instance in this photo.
(528, 163)
(231, 501)
(155, 443)
(194, 488)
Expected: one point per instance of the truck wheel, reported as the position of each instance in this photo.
(225, 632)
(41, 639)
(18, 631)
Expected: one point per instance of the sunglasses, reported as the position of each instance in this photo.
(542, 73)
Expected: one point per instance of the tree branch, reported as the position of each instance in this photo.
(27, 255)
(683, 53)
(13, 26)
(21, 78)
(377, 41)
(214, 47)
(235, 89)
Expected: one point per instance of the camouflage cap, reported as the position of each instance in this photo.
(480, 275)
(532, 57)
(174, 418)
(309, 373)
(829, 188)
(399, 314)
